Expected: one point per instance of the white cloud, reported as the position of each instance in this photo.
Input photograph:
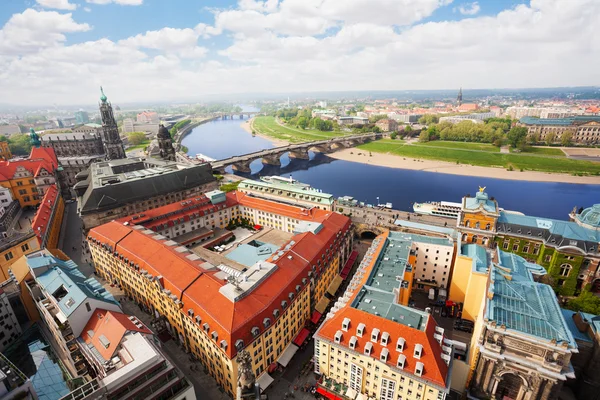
(120, 2)
(33, 30)
(58, 4)
(87, 9)
(543, 43)
(469, 8)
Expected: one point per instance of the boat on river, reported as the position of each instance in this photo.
(444, 209)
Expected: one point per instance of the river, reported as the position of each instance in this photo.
(221, 139)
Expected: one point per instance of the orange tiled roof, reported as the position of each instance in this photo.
(435, 369)
(198, 288)
(113, 326)
(42, 216)
(40, 157)
(313, 214)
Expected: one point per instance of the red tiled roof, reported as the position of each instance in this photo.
(40, 157)
(113, 326)
(42, 216)
(198, 288)
(435, 369)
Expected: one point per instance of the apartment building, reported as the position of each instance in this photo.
(126, 362)
(583, 129)
(13, 383)
(372, 346)
(48, 219)
(216, 306)
(65, 300)
(10, 329)
(433, 261)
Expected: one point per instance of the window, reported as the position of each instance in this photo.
(8, 256)
(388, 389)
(505, 245)
(356, 375)
(515, 247)
(25, 247)
(565, 270)
(87, 307)
(474, 239)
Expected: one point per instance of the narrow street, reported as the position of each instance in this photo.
(72, 242)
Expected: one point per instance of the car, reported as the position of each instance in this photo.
(464, 328)
(464, 322)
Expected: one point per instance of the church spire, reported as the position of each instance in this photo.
(459, 98)
(113, 145)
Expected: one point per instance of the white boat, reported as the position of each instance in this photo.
(438, 208)
(204, 158)
(286, 181)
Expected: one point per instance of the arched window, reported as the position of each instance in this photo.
(468, 223)
(477, 225)
(484, 241)
(565, 270)
(474, 239)
(464, 237)
(487, 227)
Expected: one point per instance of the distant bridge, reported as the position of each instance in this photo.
(230, 115)
(297, 150)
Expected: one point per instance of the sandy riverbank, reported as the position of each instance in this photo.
(247, 126)
(393, 161)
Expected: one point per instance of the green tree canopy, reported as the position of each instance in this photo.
(550, 138)
(378, 117)
(586, 302)
(428, 119)
(566, 139)
(19, 144)
(136, 138)
(516, 135)
(302, 122)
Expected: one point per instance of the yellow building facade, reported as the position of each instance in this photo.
(12, 250)
(469, 279)
(478, 218)
(5, 153)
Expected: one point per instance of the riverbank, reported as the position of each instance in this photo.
(393, 161)
(248, 126)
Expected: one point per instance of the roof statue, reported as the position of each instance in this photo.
(481, 189)
(34, 138)
(247, 386)
(163, 132)
(103, 97)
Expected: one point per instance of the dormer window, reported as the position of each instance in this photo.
(385, 338)
(198, 319)
(401, 361)
(215, 335)
(206, 327)
(368, 348)
(338, 337)
(191, 312)
(418, 351)
(385, 353)
(276, 313)
(291, 296)
(400, 344)
(267, 322)
(298, 287)
(353, 342)
(239, 344)
(255, 331)
(284, 304)
(223, 344)
(346, 324)
(419, 368)
(375, 335)
(360, 329)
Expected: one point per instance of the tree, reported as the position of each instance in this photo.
(424, 136)
(534, 138)
(566, 139)
(550, 138)
(516, 135)
(19, 144)
(302, 122)
(586, 302)
(375, 118)
(393, 135)
(136, 138)
(408, 129)
(429, 119)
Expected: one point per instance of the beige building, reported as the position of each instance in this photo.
(434, 258)
(387, 125)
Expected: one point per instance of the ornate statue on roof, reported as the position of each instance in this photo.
(247, 387)
(481, 189)
(34, 138)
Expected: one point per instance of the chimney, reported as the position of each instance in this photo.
(581, 324)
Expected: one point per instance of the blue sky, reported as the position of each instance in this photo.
(176, 50)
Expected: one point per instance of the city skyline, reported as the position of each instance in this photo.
(146, 51)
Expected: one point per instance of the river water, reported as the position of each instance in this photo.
(222, 139)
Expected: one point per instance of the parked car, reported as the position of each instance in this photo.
(464, 322)
(464, 325)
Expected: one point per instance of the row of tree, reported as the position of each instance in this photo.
(173, 131)
(303, 119)
(19, 144)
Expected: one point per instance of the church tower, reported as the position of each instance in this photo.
(459, 98)
(165, 143)
(113, 146)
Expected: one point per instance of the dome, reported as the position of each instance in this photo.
(103, 97)
(590, 216)
(163, 133)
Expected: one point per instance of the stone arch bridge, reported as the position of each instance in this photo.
(297, 150)
(230, 115)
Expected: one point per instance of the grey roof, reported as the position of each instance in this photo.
(69, 136)
(553, 232)
(577, 120)
(118, 182)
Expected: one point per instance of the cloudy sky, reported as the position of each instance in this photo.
(61, 51)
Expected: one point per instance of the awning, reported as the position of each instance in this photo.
(322, 305)
(264, 381)
(316, 316)
(301, 338)
(272, 367)
(287, 355)
(335, 284)
(327, 395)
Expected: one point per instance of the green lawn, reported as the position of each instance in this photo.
(485, 158)
(138, 146)
(268, 126)
(463, 145)
(547, 151)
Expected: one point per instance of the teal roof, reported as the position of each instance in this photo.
(377, 294)
(566, 229)
(481, 199)
(248, 255)
(479, 256)
(559, 121)
(590, 216)
(53, 274)
(523, 305)
(34, 138)
(577, 334)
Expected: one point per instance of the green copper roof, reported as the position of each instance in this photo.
(581, 119)
(294, 191)
(34, 138)
(481, 199)
(522, 305)
(590, 216)
(103, 97)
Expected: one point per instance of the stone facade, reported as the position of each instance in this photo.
(113, 145)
